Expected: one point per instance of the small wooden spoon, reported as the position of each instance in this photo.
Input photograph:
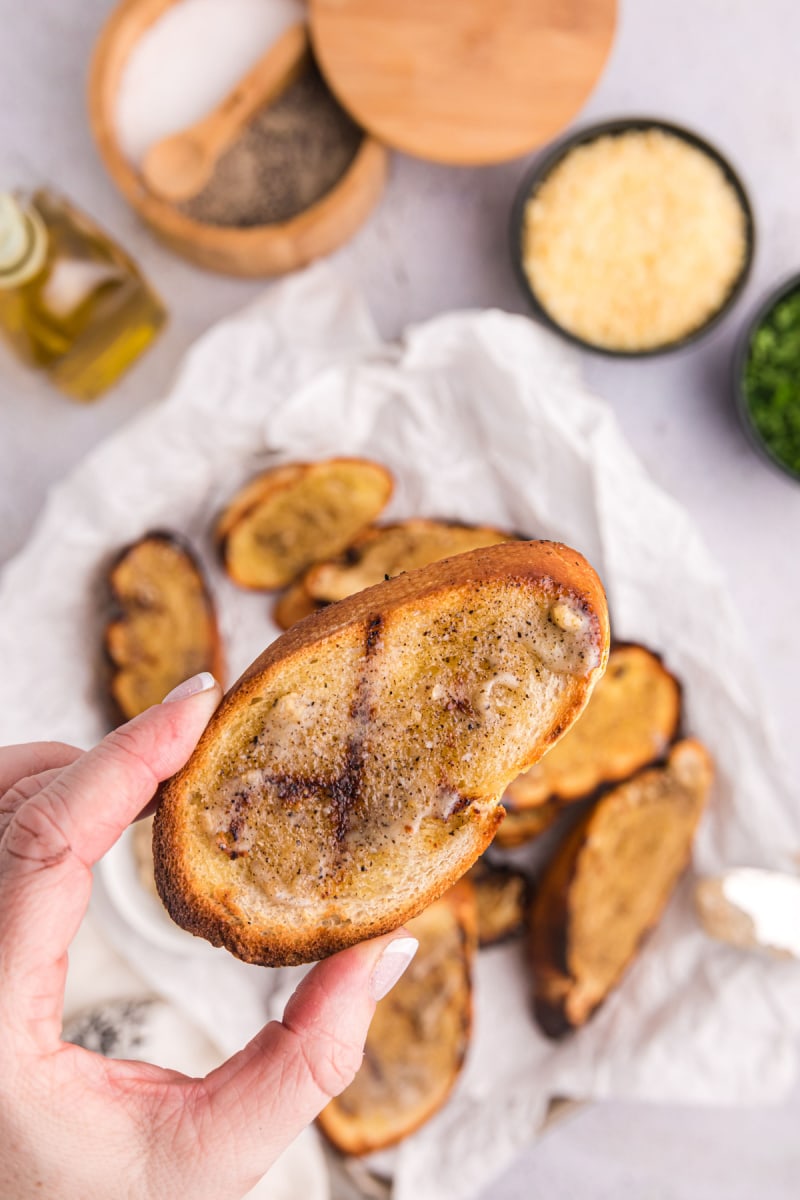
(180, 166)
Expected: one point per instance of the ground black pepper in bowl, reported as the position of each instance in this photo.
(290, 155)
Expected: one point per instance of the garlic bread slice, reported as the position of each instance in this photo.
(354, 772)
(295, 515)
(609, 883)
(165, 624)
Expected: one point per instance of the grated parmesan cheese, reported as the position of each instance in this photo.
(634, 240)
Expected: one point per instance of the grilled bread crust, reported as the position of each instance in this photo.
(353, 772)
(164, 627)
(418, 1037)
(609, 883)
(295, 515)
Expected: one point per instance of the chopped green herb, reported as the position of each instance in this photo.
(772, 381)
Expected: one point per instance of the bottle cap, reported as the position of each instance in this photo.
(23, 241)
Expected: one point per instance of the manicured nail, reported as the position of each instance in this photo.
(203, 682)
(391, 965)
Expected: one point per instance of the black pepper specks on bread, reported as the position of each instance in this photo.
(354, 772)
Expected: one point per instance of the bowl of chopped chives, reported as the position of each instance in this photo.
(766, 378)
(632, 237)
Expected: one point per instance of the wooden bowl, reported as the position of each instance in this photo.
(254, 251)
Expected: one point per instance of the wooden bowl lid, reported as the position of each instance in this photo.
(470, 82)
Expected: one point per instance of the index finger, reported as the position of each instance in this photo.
(53, 839)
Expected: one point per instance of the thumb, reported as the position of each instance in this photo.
(263, 1097)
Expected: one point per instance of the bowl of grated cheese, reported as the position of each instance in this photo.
(632, 237)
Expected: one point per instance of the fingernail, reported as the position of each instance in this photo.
(203, 682)
(391, 965)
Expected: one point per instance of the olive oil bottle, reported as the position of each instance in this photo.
(72, 303)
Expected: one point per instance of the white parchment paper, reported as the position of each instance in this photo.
(483, 417)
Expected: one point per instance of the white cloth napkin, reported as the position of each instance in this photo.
(482, 417)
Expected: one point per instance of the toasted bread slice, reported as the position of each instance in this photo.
(630, 721)
(502, 897)
(353, 773)
(386, 551)
(294, 604)
(295, 515)
(165, 627)
(418, 1037)
(609, 883)
(522, 826)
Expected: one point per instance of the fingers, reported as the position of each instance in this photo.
(264, 1096)
(17, 762)
(25, 789)
(53, 839)
(84, 810)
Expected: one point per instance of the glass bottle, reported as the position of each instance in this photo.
(72, 303)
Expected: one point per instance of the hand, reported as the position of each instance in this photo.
(77, 1126)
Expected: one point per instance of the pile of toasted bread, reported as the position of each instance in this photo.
(374, 739)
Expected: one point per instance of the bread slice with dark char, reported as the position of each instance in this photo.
(353, 773)
(418, 1037)
(164, 624)
(609, 883)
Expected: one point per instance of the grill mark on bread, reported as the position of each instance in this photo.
(346, 788)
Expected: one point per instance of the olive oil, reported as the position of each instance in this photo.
(72, 303)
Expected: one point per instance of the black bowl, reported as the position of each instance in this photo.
(534, 178)
(740, 356)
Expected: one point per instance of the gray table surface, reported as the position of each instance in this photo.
(438, 241)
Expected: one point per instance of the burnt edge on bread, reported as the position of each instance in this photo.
(549, 565)
(114, 611)
(549, 938)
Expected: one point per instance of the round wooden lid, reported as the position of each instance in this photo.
(464, 81)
